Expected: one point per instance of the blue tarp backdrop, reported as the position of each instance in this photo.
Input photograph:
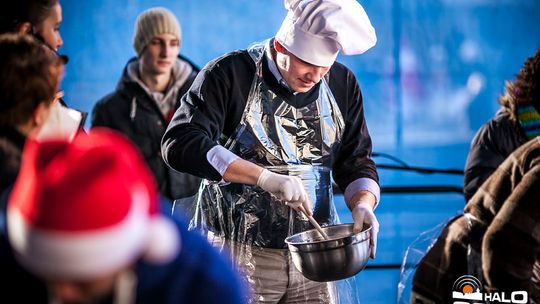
(430, 82)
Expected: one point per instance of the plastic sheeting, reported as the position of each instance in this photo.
(438, 258)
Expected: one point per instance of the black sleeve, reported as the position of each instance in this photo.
(185, 87)
(493, 142)
(353, 160)
(212, 106)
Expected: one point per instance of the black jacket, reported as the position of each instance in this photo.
(491, 145)
(133, 112)
(11, 146)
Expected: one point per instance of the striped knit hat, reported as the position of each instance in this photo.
(152, 22)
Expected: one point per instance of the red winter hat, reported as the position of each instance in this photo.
(85, 209)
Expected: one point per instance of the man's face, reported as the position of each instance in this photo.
(300, 75)
(49, 29)
(159, 55)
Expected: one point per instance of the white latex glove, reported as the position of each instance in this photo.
(288, 189)
(363, 213)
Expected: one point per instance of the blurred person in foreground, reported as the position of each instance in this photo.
(517, 122)
(268, 127)
(84, 226)
(147, 95)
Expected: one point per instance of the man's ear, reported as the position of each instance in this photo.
(279, 48)
(24, 28)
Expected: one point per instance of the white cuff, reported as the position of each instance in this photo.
(220, 158)
(360, 184)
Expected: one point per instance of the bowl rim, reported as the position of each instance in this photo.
(365, 233)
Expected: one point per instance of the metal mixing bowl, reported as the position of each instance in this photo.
(343, 255)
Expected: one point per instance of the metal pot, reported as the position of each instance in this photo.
(343, 255)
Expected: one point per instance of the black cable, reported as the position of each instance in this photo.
(383, 266)
(422, 170)
(405, 166)
(397, 160)
(422, 189)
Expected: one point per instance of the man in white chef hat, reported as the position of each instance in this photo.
(268, 128)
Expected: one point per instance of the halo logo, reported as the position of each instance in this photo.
(467, 289)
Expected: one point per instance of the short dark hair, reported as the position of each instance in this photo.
(21, 11)
(29, 75)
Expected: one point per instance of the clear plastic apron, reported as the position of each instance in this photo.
(283, 139)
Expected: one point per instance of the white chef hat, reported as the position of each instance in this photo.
(317, 30)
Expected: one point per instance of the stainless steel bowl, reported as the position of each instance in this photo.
(343, 255)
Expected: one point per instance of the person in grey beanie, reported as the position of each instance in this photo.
(148, 94)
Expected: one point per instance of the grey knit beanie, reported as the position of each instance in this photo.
(152, 22)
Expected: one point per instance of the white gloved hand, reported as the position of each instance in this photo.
(288, 189)
(363, 213)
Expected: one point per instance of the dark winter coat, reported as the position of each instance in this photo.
(493, 142)
(11, 146)
(133, 112)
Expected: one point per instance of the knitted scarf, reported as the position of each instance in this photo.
(529, 119)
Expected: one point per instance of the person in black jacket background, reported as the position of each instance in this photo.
(148, 94)
(515, 123)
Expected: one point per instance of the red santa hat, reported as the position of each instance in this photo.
(86, 209)
(317, 30)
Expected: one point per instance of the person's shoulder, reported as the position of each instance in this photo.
(500, 130)
(105, 103)
(503, 115)
(111, 99)
(502, 122)
(234, 60)
(341, 77)
(339, 68)
(185, 59)
(108, 98)
(200, 273)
